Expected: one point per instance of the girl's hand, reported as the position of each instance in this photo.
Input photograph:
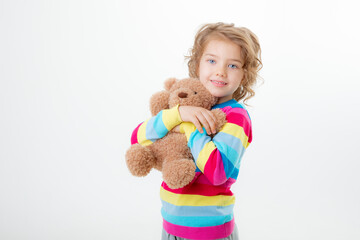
(199, 117)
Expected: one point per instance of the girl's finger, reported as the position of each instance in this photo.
(211, 120)
(212, 116)
(204, 121)
(197, 124)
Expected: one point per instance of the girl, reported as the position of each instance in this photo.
(226, 60)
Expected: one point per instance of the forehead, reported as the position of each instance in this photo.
(223, 48)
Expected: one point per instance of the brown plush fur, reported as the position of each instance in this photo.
(171, 154)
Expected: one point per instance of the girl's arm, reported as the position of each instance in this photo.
(156, 127)
(219, 158)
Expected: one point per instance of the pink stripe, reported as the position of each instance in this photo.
(200, 189)
(203, 180)
(134, 135)
(214, 168)
(240, 117)
(215, 232)
(241, 111)
(229, 182)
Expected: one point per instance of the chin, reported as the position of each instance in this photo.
(216, 94)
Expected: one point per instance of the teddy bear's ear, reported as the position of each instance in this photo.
(159, 101)
(169, 83)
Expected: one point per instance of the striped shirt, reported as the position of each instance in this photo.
(204, 208)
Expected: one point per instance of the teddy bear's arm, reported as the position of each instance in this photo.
(220, 119)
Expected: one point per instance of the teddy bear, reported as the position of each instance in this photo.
(170, 154)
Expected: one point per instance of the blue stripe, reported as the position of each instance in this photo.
(196, 210)
(232, 103)
(198, 142)
(229, 152)
(228, 144)
(155, 128)
(151, 133)
(242, 106)
(225, 143)
(203, 221)
(234, 174)
(228, 166)
(229, 140)
(195, 135)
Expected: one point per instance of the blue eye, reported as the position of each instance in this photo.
(232, 66)
(211, 61)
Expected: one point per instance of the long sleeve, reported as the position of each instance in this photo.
(219, 158)
(156, 127)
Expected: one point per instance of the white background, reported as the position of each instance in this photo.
(76, 78)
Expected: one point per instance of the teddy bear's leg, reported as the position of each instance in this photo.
(178, 173)
(140, 160)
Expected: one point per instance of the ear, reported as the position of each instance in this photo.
(159, 101)
(169, 83)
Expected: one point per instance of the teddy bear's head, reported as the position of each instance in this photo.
(185, 92)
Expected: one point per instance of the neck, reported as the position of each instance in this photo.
(224, 99)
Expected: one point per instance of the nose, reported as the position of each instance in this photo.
(182, 95)
(220, 72)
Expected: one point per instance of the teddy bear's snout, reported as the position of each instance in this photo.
(182, 95)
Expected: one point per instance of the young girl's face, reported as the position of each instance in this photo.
(220, 68)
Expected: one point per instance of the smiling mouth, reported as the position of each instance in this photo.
(218, 82)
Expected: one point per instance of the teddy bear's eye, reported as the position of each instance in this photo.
(195, 92)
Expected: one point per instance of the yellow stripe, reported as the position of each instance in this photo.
(195, 200)
(229, 128)
(188, 128)
(204, 155)
(236, 131)
(141, 135)
(171, 117)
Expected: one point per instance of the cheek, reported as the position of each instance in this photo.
(239, 76)
(203, 71)
(200, 72)
(203, 77)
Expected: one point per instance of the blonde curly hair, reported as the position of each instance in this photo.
(250, 53)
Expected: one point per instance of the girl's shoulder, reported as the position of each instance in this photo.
(231, 106)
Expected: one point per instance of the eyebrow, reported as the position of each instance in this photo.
(232, 59)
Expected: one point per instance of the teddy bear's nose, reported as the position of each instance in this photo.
(182, 95)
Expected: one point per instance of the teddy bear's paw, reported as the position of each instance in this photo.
(220, 119)
(139, 160)
(178, 173)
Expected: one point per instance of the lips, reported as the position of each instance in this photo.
(218, 83)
